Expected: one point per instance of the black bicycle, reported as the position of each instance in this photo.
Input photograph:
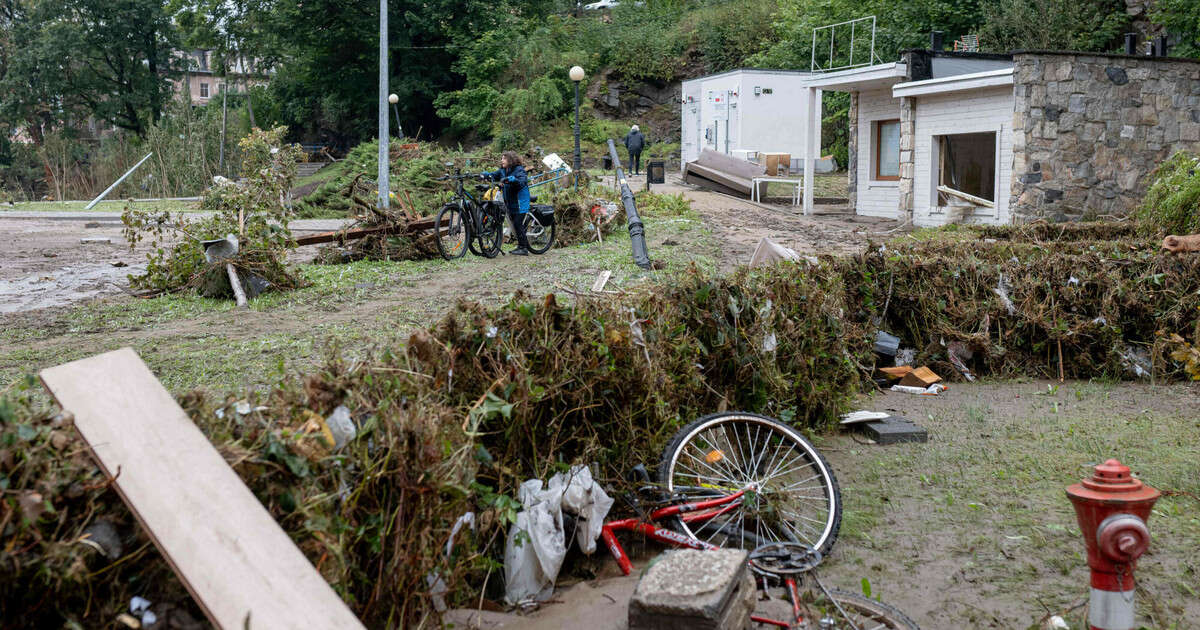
(467, 222)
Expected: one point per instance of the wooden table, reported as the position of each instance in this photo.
(755, 196)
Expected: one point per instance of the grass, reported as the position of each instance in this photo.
(108, 205)
(192, 341)
(978, 514)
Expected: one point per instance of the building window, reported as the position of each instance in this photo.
(203, 90)
(966, 164)
(886, 137)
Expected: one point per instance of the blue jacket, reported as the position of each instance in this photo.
(516, 186)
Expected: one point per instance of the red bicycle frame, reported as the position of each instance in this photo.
(688, 513)
(692, 512)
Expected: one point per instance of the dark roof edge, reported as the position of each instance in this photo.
(719, 74)
(960, 54)
(1077, 53)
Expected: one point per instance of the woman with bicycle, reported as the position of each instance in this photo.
(516, 195)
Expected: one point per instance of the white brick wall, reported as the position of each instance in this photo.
(989, 109)
(875, 198)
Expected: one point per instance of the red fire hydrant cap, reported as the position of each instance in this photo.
(1112, 478)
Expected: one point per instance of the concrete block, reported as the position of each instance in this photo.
(694, 590)
(893, 430)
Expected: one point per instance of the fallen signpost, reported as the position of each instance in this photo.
(637, 232)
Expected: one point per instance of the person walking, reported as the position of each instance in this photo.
(516, 196)
(634, 143)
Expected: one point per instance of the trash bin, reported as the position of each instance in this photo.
(656, 172)
(607, 162)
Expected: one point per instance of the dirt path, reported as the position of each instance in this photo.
(739, 224)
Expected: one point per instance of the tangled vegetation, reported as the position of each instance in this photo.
(488, 397)
(1172, 203)
(255, 211)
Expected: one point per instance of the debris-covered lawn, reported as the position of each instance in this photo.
(486, 397)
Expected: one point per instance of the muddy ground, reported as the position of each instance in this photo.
(973, 528)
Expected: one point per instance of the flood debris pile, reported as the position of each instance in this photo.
(370, 463)
(1079, 301)
(250, 216)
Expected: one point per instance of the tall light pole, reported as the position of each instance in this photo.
(393, 99)
(384, 161)
(576, 74)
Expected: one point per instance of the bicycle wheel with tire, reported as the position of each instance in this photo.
(452, 233)
(491, 234)
(540, 237)
(867, 614)
(793, 495)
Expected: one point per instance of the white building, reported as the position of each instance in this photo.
(933, 120)
(744, 110)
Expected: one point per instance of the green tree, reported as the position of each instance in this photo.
(105, 58)
(1181, 18)
(1089, 25)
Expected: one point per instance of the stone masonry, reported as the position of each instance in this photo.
(852, 153)
(1089, 129)
(908, 120)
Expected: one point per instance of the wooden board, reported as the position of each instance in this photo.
(896, 372)
(234, 559)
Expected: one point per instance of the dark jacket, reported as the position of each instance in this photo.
(516, 186)
(635, 141)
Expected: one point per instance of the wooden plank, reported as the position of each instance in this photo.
(234, 559)
(341, 236)
(979, 201)
(896, 372)
(601, 280)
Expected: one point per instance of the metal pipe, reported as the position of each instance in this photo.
(116, 183)
(384, 159)
(578, 159)
(637, 232)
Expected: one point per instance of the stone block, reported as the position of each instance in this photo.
(1050, 130)
(1064, 71)
(1116, 75)
(688, 589)
(1189, 132)
(894, 430)
(1077, 103)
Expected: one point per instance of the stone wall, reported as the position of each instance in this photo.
(1089, 129)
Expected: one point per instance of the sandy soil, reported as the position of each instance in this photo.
(740, 224)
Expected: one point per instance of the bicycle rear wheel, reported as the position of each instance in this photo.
(867, 614)
(540, 236)
(452, 233)
(794, 494)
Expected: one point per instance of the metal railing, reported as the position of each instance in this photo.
(836, 54)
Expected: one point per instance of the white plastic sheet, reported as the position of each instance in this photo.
(537, 542)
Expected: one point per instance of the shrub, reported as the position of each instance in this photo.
(1172, 203)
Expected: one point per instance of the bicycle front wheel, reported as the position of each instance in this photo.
(492, 234)
(867, 614)
(540, 237)
(792, 494)
(452, 234)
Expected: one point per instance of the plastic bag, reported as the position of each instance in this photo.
(537, 543)
(587, 500)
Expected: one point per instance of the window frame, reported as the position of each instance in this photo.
(876, 128)
(204, 91)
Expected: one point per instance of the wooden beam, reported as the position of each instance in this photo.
(341, 236)
(979, 201)
(234, 559)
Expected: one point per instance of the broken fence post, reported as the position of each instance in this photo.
(637, 232)
(117, 183)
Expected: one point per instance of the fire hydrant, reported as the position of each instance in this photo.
(1112, 508)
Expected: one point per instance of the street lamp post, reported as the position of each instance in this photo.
(384, 159)
(393, 99)
(577, 75)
